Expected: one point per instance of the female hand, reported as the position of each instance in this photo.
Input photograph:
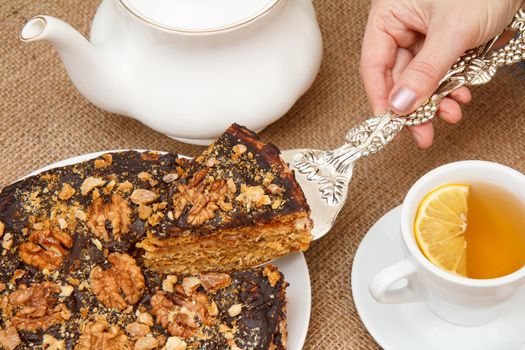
(409, 45)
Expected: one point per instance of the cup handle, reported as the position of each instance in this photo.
(380, 285)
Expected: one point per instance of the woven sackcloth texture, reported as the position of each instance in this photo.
(44, 119)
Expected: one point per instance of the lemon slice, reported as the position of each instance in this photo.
(440, 226)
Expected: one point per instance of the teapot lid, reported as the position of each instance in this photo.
(197, 15)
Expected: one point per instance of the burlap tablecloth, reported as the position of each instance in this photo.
(44, 119)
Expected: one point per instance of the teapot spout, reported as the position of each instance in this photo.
(84, 63)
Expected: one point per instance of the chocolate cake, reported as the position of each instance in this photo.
(237, 206)
(86, 249)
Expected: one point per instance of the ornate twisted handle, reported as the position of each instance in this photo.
(332, 170)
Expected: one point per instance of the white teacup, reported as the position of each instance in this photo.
(460, 300)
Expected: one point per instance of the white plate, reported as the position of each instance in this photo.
(293, 266)
(413, 326)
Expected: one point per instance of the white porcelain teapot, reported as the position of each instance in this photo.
(189, 68)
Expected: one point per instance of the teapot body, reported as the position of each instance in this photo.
(191, 85)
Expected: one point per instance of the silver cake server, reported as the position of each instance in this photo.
(324, 175)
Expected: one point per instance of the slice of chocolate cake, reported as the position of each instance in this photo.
(71, 276)
(237, 206)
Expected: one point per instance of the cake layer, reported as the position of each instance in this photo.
(226, 250)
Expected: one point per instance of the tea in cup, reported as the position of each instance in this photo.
(463, 233)
(475, 230)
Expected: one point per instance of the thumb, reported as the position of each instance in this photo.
(421, 77)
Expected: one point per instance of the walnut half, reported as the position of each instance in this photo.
(116, 213)
(203, 199)
(99, 335)
(46, 248)
(120, 285)
(37, 307)
(179, 312)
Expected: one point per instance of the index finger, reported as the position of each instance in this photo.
(377, 60)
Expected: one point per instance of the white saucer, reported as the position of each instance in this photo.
(413, 326)
(293, 266)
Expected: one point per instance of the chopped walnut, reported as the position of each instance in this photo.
(159, 206)
(46, 248)
(253, 196)
(168, 178)
(95, 194)
(36, 307)
(99, 335)
(144, 197)
(109, 187)
(272, 274)
(275, 189)
(136, 330)
(145, 176)
(62, 223)
(73, 281)
(145, 318)
(146, 343)
(66, 290)
(213, 310)
(175, 343)
(168, 283)
(144, 212)
(80, 214)
(107, 160)
(268, 178)
(276, 203)
(97, 244)
(227, 332)
(223, 328)
(239, 149)
(83, 285)
(125, 187)
(150, 155)
(117, 213)
(16, 275)
(155, 219)
(213, 281)
(7, 243)
(51, 343)
(9, 338)
(235, 310)
(89, 184)
(211, 162)
(176, 312)
(119, 286)
(231, 186)
(66, 192)
(190, 285)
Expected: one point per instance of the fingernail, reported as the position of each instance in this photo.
(403, 100)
